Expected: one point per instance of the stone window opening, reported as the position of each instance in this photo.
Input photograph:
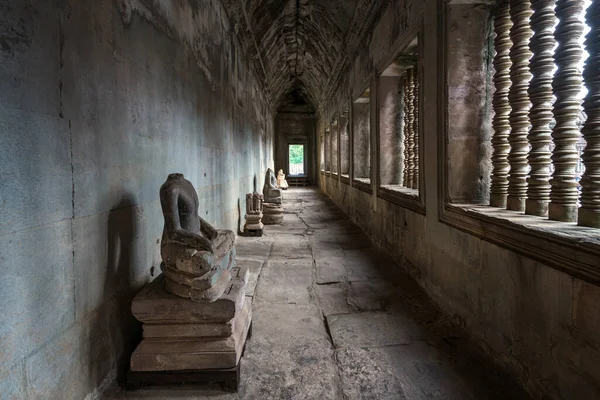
(399, 133)
(334, 145)
(361, 129)
(322, 152)
(344, 126)
(521, 122)
(327, 151)
(546, 141)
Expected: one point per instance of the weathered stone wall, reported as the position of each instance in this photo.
(99, 101)
(541, 324)
(362, 139)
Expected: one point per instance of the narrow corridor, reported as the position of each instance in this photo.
(335, 318)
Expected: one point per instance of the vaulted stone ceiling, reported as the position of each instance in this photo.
(298, 45)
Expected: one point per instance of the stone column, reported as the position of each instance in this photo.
(416, 128)
(540, 93)
(502, 64)
(520, 33)
(589, 213)
(567, 87)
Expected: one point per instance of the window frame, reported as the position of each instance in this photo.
(368, 188)
(566, 247)
(412, 199)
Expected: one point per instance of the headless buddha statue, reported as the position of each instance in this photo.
(195, 255)
(271, 192)
(281, 182)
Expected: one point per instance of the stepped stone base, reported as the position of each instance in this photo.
(183, 334)
(272, 214)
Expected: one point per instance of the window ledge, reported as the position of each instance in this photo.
(345, 178)
(363, 184)
(565, 246)
(402, 196)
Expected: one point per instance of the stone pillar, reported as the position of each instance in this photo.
(520, 33)
(589, 213)
(502, 64)
(567, 86)
(540, 93)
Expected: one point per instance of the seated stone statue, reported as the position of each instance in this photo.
(271, 192)
(281, 182)
(196, 256)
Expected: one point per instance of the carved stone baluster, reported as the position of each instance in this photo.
(520, 33)
(540, 93)
(502, 63)
(567, 86)
(589, 213)
(405, 134)
(416, 127)
(411, 128)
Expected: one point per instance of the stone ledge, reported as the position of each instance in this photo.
(564, 246)
(363, 184)
(402, 196)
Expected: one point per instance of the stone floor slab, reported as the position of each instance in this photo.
(332, 299)
(372, 329)
(330, 270)
(284, 282)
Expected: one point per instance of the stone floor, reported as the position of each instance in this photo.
(335, 318)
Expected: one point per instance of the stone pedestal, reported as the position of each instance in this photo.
(254, 214)
(272, 214)
(182, 334)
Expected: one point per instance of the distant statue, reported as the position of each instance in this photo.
(196, 256)
(271, 192)
(281, 182)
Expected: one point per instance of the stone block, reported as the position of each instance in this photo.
(154, 305)
(35, 162)
(188, 353)
(253, 248)
(291, 246)
(301, 370)
(36, 290)
(372, 295)
(332, 299)
(276, 325)
(372, 329)
(285, 282)
(330, 270)
(254, 268)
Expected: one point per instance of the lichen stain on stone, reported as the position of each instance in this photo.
(14, 37)
(183, 21)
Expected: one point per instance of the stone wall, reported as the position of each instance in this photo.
(541, 324)
(99, 101)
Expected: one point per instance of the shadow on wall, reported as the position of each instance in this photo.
(113, 331)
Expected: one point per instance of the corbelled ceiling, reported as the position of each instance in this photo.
(298, 45)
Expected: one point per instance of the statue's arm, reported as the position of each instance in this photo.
(208, 229)
(173, 226)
